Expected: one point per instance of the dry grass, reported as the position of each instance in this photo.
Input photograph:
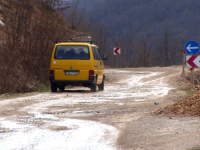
(31, 27)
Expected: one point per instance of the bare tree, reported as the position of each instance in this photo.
(30, 27)
(75, 15)
(126, 41)
(167, 46)
(100, 35)
(144, 46)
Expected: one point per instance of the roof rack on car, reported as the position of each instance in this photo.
(90, 42)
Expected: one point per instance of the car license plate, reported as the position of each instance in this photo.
(71, 72)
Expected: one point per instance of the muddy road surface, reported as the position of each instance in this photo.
(120, 117)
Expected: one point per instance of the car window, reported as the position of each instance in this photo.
(96, 54)
(72, 52)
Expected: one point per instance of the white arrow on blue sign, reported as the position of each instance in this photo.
(192, 47)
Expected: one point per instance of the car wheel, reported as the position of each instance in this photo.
(62, 88)
(94, 87)
(101, 86)
(53, 87)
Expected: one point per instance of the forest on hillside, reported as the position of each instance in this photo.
(181, 16)
(150, 32)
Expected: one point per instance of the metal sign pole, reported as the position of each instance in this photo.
(117, 62)
(184, 62)
(193, 78)
(117, 52)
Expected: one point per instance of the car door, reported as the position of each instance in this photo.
(98, 64)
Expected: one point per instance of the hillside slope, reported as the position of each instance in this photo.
(181, 16)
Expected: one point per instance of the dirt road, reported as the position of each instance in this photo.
(118, 118)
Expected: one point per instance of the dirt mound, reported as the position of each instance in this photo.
(189, 106)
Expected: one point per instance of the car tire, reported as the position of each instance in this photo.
(54, 87)
(101, 86)
(62, 88)
(94, 87)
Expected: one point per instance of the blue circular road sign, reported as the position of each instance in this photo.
(192, 47)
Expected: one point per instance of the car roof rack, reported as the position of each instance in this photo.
(90, 42)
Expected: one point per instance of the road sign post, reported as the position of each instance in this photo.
(116, 52)
(192, 77)
(184, 62)
(192, 61)
(117, 63)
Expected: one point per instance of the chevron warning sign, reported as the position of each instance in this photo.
(116, 51)
(193, 61)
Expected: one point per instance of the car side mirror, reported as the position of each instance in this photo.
(104, 57)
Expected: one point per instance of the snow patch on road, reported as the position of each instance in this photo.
(133, 87)
(81, 135)
(20, 99)
(78, 134)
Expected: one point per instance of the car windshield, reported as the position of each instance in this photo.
(72, 52)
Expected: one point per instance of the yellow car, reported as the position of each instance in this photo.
(76, 64)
